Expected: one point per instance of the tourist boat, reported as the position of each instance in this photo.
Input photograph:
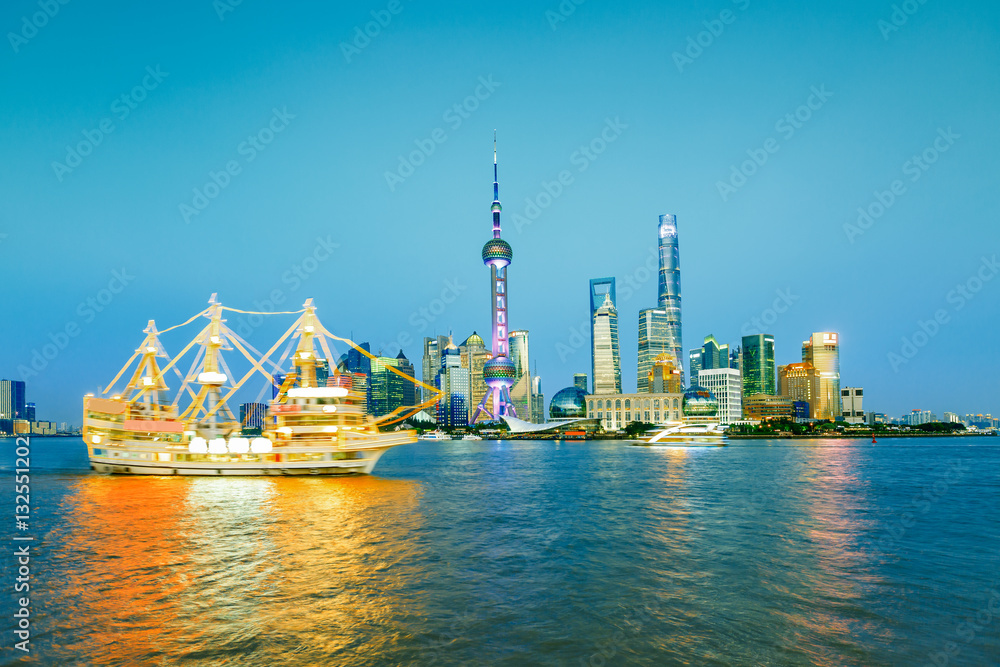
(471, 436)
(435, 436)
(685, 435)
(315, 424)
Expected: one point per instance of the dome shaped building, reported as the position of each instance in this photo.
(569, 403)
(699, 405)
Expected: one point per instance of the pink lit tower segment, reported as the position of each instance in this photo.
(499, 372)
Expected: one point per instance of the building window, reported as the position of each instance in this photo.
(647, 415)
(675, 404)
(600, 405)
(628, 416)
(591, 406)
(600, 415)
(628, 403)
(656, 416)
(647, 407)
(618, 417)
(618, 404)
(656, 404)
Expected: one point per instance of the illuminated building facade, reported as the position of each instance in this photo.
(499, 372)
(851, 399)
(654, 341)
(12, 403)
(456, 389)
(664, 376)
(727, 387)
(580, 381)
(474, 357)
(252, 416)
(765, 407)
(617, 412)
(386, 387)
(757, 365)
(409, 388)
(670, 284)
(800, 382)
(822, 350)
(605, 353)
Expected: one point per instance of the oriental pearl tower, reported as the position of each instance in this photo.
(499, 372)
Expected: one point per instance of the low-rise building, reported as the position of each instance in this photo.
(851, 400)
(764, 407)
(617, 411)
(727, 386)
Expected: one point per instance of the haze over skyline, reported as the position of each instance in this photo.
(306, 131)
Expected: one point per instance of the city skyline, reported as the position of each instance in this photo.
(816, 238)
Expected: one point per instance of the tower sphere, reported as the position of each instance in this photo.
(497, 252)
(499, 372)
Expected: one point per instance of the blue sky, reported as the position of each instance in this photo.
(337, 119)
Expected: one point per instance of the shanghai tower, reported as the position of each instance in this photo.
(660, 327)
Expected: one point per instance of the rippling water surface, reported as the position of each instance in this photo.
(762, 553)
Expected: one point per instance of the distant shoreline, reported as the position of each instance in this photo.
(852, 436)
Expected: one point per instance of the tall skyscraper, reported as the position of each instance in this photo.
(728, 389)
(670, 284)
(12, 403)
(822, 350)
(660, 328)
(29, 412)
(800, 382)
(694, 364)
(605, 353)
(521, 392)
(499, 372)
(356, 362)
(474, 357)
(456, 389)
(431, 360)
(654, 341)
(386, 387)
(601, 290)
(580, 381)
(409, 389)
(537, 400)
(758, 365)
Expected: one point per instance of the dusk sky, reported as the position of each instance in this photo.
(314, 122)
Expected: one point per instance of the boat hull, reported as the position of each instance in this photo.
(360, 466)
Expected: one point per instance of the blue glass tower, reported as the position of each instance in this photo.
(499, 372)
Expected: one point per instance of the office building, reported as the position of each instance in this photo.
(431, 359)
(580, 381)
(29, 411)
(800, 382)
(851, 399)
(456, 389)
(521, 392)
(253, 417)
(664, 376)
(670, 284)
(757, 365)
(474, 357)
(694, 364)
(387, 387)
(538, 401)
(949, 418)
(726, 385)
(765, 407)
(409, 388)
(654, 341)
(822, 350)
(605, 354)
(12, 403)
(356, 362)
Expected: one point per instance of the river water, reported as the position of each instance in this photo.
(522, 553)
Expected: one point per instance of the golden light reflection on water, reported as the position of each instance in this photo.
(163, 567)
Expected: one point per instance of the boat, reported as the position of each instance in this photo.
(435, 436)
(472, 437)
(315, 424)
(678, 434)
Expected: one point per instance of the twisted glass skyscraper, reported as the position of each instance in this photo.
(660, 328)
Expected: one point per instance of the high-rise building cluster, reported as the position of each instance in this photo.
(17, 415)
